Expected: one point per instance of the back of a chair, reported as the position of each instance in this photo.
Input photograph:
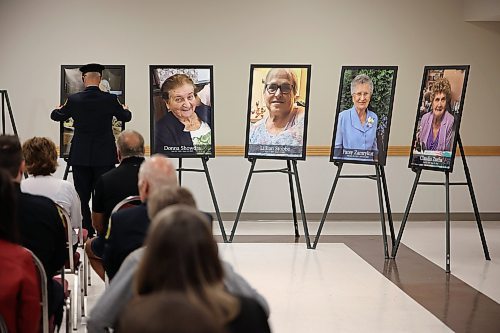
(131, 201)
(66, 220)
(44, 295)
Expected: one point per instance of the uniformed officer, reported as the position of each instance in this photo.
(93, 149)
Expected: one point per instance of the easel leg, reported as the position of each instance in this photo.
(474, 202)
(407, 212)
(301, 203)
(292, 197)
(388, 205)
(214, 199)
(447, 190)
(180, 171)
(242, 200)
(382, 215)
(328, 202)
(66, 171)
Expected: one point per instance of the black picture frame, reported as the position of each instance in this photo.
(258, 111)
(380, 104)
(113, 78)
(166, 131)
(441, 156)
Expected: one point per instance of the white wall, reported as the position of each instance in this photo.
(38, 36)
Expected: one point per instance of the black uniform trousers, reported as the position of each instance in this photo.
(84, 179)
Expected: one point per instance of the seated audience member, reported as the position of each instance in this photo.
(20, 286)
(181, 255)
(40, 225)
(129, 226)
(105, 313)
(112, 187)
(40, 155)
(166, 313)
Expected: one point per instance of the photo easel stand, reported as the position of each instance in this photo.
(292, 172)
(447, 185)
(6, 100)
(204, 160)
(383, 194)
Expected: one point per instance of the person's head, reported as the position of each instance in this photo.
(40, 155)
(8, 204)
(155, 171)
(361, 92)
(178, 92)
(280, 89)
(181, 255)
(130, 143)
(166, 312)
(440, 97)
(167, 195)
(91, 74)
(11, 156)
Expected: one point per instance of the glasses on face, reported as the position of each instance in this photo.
(285, 88)
(361, 94)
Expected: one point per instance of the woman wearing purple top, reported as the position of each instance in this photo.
(436, 127)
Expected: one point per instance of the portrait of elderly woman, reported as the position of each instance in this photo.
(186, 127)
(280, 131)
(436, 127)
(356, 131)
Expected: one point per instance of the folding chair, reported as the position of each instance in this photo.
(44, 295)
(130, 201)
(73, 266)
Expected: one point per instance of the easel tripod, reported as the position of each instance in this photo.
(383, 195)
(447, 185)
(293, 175)
(204, 160)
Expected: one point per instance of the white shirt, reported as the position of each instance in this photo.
(61, 192)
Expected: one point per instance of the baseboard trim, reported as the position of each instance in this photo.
(360, 217)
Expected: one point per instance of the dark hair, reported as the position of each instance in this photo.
(130, 143)
(181, 255)
(40, 155)
(8, 208)
(11, 155)
(168, 195)
(166, 312)
(173, 82)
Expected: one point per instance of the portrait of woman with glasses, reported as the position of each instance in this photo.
(356, 134)
(282, 124)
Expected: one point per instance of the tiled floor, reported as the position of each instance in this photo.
(346, 285)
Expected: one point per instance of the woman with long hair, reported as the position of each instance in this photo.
(181, 256)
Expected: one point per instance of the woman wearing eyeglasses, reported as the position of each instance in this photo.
(356, 135)
(283, 123)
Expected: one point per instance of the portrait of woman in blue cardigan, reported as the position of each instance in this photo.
(186, 127)
(356, 133)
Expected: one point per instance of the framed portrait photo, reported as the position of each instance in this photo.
(278, 105)
(112, 81)
(438, 118)
(364, 113)
(182, 118)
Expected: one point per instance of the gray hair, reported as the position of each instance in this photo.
(157, 170)
(130, 143)
(361, 79)
(167, 195)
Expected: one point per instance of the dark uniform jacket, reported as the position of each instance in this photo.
(128, 231)
(92, 111)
